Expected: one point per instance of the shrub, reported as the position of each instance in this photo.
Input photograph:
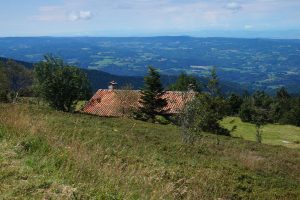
(161, 119)
(203, 115)
(61, 85)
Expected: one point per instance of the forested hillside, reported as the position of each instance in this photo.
(100, 79)
(264, 64)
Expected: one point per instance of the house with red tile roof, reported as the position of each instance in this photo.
(117, 103)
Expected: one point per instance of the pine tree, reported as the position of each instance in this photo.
(213, 84)
(152, 103)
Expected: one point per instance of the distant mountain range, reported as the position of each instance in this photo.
(100, 80)
(264, 64)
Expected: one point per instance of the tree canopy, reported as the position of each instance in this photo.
(186, 82)
(204, 112)
(61, 85)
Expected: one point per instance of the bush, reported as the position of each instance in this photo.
(203, 115)
(161, 120)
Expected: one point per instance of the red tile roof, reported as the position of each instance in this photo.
(107, 103)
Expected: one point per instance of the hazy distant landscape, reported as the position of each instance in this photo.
(150, 99)
(264, 64)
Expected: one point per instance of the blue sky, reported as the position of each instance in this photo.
(245, 18)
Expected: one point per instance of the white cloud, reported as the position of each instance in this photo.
(171, 15)
(80, 15)
(61, 13)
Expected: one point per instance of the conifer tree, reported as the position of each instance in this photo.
(152, 103)
(213, 84)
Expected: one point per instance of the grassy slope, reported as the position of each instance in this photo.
(286, 135)
(49, 154)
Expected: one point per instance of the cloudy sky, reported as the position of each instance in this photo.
(149, 17)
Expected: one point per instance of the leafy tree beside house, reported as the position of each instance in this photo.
(152, 103)
(209, 108)
(186, 82)
(204, 113)
(61, 85)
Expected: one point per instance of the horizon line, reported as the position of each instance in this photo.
(151, 36)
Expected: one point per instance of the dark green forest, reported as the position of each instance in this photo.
(17, 80)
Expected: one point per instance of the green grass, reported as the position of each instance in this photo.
(285, 135)
(45, 154)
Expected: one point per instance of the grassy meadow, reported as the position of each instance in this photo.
(285, 135)
(45, 154)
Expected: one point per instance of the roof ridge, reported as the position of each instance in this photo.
(171, 91)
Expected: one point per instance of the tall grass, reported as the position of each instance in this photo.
(79, 156)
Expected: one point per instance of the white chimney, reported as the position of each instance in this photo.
(112, 85)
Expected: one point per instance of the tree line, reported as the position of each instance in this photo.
(209, 106)
(62, 86)
(283, 108)
(15, 81)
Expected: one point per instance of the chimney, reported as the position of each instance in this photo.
(191, 88)
(112, 85)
